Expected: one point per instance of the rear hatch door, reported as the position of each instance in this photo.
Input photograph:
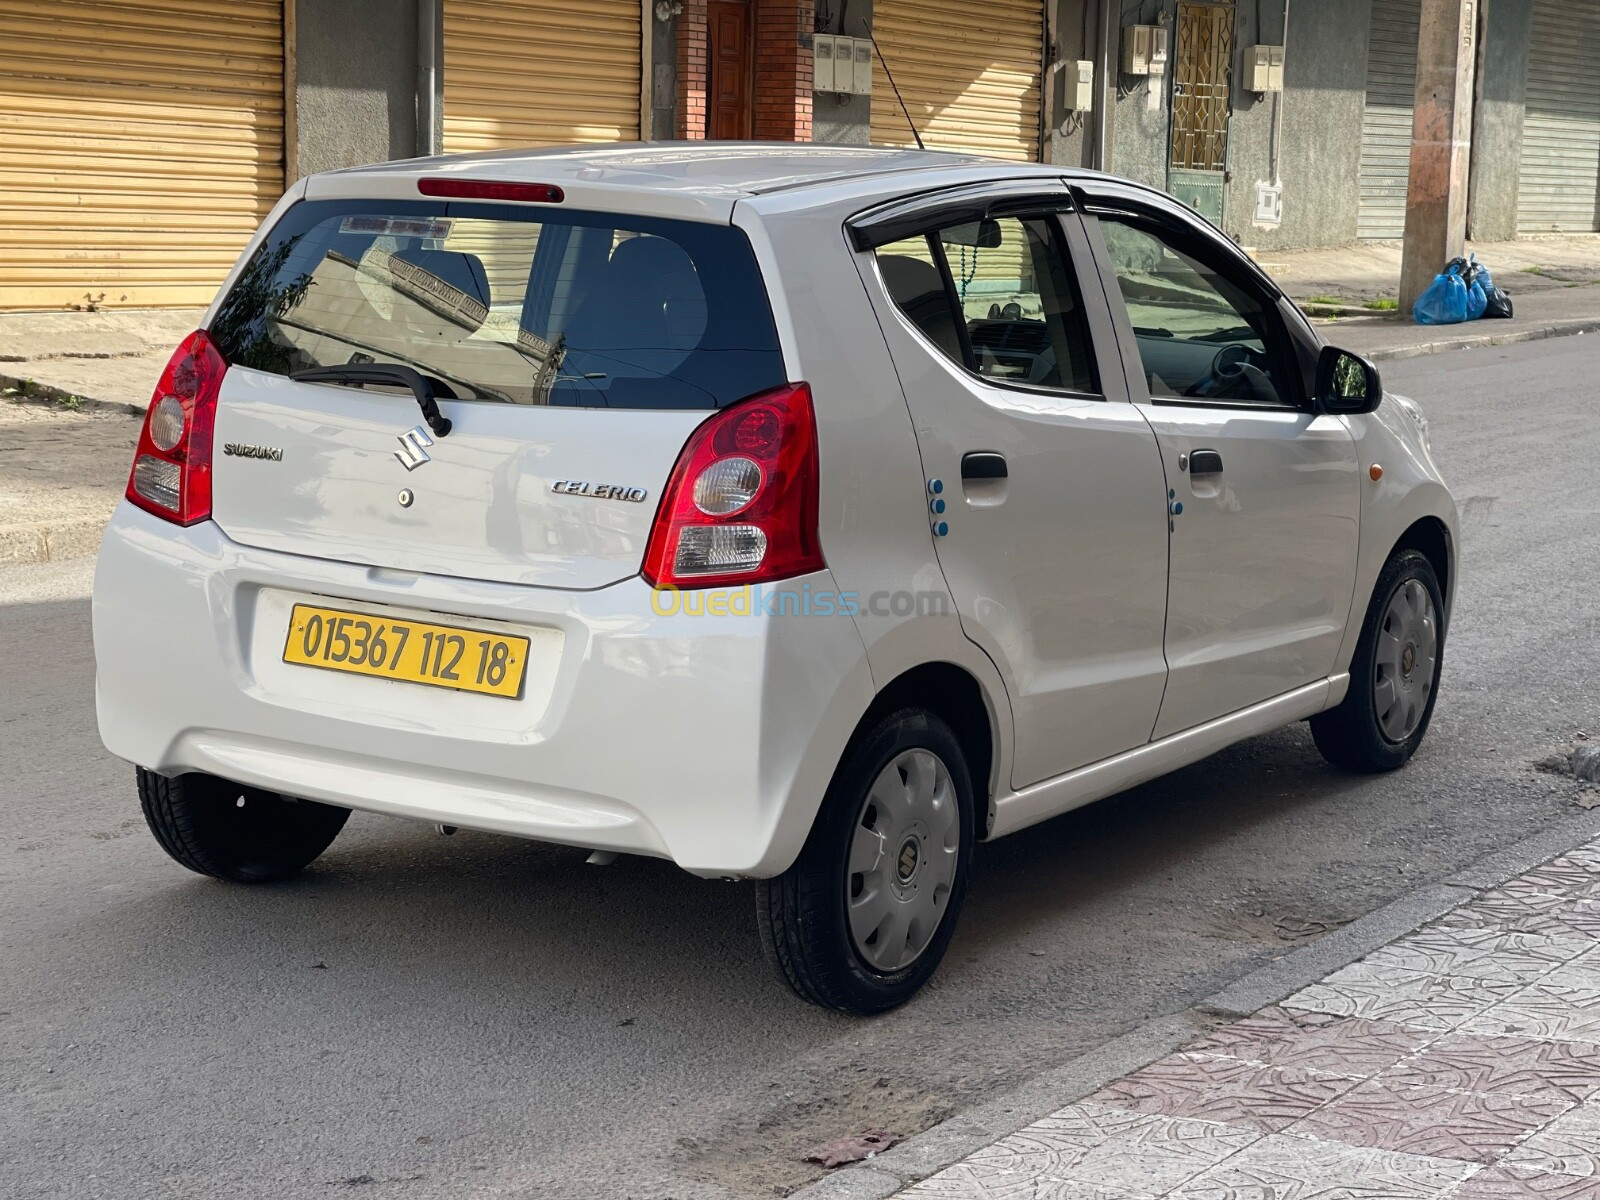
(581, 349)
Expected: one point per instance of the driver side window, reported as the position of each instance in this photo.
(1200, 336)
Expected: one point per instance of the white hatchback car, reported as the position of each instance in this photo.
(795, 513)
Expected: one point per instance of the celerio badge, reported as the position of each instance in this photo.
(599, 491)
(412, 453)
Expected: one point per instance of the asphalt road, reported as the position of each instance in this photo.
(426, 1017)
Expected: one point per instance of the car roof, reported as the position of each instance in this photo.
(710, 169)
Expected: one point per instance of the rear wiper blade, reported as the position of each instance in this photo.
(425, 388)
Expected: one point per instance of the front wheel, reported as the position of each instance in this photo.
(232, 832)
(861, 920)
(1394, 674)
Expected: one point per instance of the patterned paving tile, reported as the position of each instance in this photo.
(1519, 1183)
(1537, 913)
(1516, 1066)
(1564, 1005)
(1566, 877)
(1587, 857)
(1091, 1143)
(1490, 954)
(1224, 1089)
(1314, 1041)
(1284, 1167)
(969, 1181)
(1386, 993)
(1570, 1145)
(1433, 1121)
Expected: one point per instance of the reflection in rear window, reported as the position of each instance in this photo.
(509, 304)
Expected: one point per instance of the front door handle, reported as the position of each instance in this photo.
(983, 464)
(1205, 462)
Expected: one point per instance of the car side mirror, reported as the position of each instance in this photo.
(1347, 382)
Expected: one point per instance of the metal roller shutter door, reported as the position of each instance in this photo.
(140, 144)
(1558, 179)
(969, 74)
(1386, 122)
(525, 73)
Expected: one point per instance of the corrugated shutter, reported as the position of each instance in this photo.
(969, 74)
(140, 145)
(1386, 123)
(1558, 180)
(526, 73)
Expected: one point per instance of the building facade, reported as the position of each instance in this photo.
(146, 138)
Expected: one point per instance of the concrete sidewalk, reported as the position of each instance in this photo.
(1460, 1061)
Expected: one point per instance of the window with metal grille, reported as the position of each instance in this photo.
(1200, 87)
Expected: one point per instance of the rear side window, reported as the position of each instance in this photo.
(508, 304)
(996, 296)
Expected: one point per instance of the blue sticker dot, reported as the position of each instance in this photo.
(938, 506)
(936, 486)
(1171, 494)
(941, 528)
(1177, 509)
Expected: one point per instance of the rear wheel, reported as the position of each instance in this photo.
(234, 832)
(861, 920)
(1394, 674)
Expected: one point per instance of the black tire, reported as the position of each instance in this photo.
(237, 833)
(1351, 736)
(802, 913)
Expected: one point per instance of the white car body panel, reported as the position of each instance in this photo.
(711, 739)
(706, 739)
(483, 505)
(1263, 556)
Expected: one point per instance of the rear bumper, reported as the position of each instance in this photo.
(706, 739)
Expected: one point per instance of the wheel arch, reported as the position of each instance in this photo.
(1430, 537)
(954, 694)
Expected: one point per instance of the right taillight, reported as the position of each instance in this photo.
(741, 505)
(172, 467)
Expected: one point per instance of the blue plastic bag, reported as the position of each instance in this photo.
(1444, 303)
(1477, 300)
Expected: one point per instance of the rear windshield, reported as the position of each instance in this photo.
(508, 304)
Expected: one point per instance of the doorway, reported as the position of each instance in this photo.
(1200, 107)
(730, 111)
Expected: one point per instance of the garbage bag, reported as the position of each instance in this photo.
(1444, 303)
(1477, 300)
(1498, 303)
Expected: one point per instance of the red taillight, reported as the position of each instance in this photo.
(483, 189)
(172, 467)
(741, 505)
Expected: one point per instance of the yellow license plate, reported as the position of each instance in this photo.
(448, 656)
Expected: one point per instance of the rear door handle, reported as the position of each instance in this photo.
(1205, 462)
(983, 464)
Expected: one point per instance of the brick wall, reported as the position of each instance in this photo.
(783, 69)
(781, 85)
(692, 49)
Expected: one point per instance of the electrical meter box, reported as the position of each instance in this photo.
(823, 63)
(1080, 85)
(841, 64)
(1263, 69)
(1144, 50)
(862, 83)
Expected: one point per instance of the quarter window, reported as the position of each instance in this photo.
(998, 297)
(1200, 335)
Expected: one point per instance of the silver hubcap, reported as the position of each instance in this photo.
(1408, 649)
(902, 860)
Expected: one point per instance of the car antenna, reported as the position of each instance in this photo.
(888, 74)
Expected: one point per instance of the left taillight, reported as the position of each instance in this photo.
(741, 504)
(171, 474)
